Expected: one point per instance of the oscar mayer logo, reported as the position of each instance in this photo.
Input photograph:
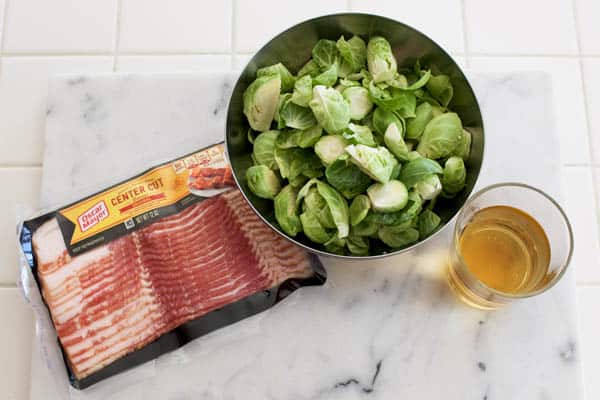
(92, 216)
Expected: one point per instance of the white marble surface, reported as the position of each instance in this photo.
(385, 330)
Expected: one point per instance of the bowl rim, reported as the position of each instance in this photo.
(322, 252)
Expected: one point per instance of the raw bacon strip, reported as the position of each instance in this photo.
(119, 297)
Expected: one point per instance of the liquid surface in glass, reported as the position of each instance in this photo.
(507, 249)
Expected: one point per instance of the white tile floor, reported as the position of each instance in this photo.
(39, 38)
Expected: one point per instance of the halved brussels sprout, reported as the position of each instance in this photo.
(463, 149)
(441, 89)
(263, 182)
(388, 197)
(330, 109)
(360, 103)
(330, 147)
(260, 101)
(429, 188)
(377, 162)
(380, 60)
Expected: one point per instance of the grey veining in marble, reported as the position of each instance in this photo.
(388, 329)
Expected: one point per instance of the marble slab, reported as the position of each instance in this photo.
(386, 329)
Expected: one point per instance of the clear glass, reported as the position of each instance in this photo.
(538, 205)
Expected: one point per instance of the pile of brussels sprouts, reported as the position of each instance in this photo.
(351, 150)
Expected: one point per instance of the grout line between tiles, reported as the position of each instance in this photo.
(3, 31)
(117, 35)
(122, 53)
(588, 165)
(526, 55)
(232, 33)
(585, 285)
(15, 166)
(463, 14)
(587, 110)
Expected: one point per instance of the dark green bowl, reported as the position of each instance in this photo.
(293, 48)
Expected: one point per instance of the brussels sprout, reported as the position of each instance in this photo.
(347, 178)
(358, 134)
(455, 175)
(309, 137)
(264, 148)
(388, 197)
(429, 187)
(437, 110)
(428, 222)
(263, 182)
(380, 60)
(353, 52)
(345, 83)
(416, 125)
(389, 236)
(394, 142)
(338, 207)
(313, 229)
(441, 136)
(287, 79)
(283, 99)
(330, 147)
(360, 103)
(359, 209)
(377, 162)
(311, 68)
(325, 53)
(413, 155)
(383, 118)
(314, 202)
(294, 116)
(419, 169)
(285, 211)
(358, 245)
(327, 77)
(330, 109)
(400, 219)
(463, 149)
(302, 91)
(260, 101)
(441, 89)
(366, 227)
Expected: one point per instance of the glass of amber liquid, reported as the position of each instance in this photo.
(511, 241)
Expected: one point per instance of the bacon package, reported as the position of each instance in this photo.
(154, 262)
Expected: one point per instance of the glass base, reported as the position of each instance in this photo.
(467, 296)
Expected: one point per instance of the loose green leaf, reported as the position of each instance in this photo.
(358, 134)
(394, 142)
(317, 205)
(398, 239)
(428, 222)
(358, 245)
(347, 178)
(422, 81)
(353, 52)
(327, 77)
(382, 119)
(359, 209)
(309, 137)
(311, 68)
(302, 91)
(297, 117)
(313, 229)
(325, 53)
(419, 169)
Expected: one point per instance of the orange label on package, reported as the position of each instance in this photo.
(161, 191)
